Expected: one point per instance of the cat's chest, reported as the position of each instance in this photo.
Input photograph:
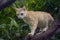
(28, 20)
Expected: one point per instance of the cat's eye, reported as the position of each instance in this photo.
(21, 13)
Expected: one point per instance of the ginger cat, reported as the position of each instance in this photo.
(35, 19)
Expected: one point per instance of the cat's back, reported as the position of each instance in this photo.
(31, 12)
(37, 13)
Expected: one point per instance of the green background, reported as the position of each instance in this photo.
(13, 29)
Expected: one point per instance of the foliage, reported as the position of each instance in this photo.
(40, 5)
(13, 29)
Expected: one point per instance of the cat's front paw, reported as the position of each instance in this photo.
(30, 34)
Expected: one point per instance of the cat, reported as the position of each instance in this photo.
(35, 19)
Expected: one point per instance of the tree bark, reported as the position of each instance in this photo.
(5, 3)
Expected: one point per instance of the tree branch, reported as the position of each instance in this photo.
(5, 3)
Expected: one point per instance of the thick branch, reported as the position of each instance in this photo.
(5, 3)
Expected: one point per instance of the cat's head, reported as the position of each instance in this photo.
(21, 12)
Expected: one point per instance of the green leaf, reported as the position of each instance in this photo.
(14, 23)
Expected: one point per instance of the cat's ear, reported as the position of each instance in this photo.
(24, 8)
(16, 9)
